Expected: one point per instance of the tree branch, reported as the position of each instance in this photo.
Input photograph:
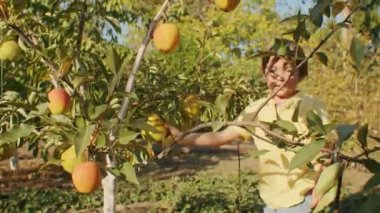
(82, 19)
(357, 157)
(230, 123)
(140, 54)
(45, 59)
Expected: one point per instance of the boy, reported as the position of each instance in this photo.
(281, 190)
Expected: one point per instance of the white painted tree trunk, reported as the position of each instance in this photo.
(109, 188)
(13, 162)
(109, 182)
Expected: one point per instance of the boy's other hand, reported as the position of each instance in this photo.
(173, 131)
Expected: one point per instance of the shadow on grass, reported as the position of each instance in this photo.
(187, 161)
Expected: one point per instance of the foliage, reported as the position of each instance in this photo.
(185, 194)
(86, 56)
(193, 193)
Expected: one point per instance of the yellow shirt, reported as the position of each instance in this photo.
(279, 188)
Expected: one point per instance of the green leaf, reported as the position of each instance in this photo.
(328, 127)
(287, 126)
(337, 8)
(326, 199)
(299, 31)
(327, 11)
(281, 50)
(16, 132)
(362, 135)
(82, 140)
(117, 77)
(316, 13)
(317, 20)
(80, 122)
(221, 102)
(127, 136)
(101, 141)
(113, 60)
(315, 124)
(322, 58)
(26, 106)
(372, 165)
(98, 111)
(307, 154)
(129, 173)
(373, 182)
(295, 17)
(142, 125)
(42, 108)
(258, 153)
(313, 119)
(296, 113)
(61, 120)
(114, 23)
(345, 131)
(53, 161)
(216, 125)
(357, 51)
(78, 80)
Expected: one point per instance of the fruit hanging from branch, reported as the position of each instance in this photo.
(226, 5)
(59, 101)
(159, 133)
(86, 177)
(9, 51)
(166, 37)
(191, 106)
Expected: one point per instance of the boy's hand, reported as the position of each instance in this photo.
(173, 131)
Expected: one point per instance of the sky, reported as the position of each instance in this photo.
(290, 7)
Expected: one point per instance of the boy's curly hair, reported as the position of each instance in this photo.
(289, 50)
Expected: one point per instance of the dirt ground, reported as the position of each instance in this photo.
(219, 161)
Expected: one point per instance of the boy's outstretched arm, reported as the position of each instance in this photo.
(218, 138)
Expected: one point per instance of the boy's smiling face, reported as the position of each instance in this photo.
(278, 69)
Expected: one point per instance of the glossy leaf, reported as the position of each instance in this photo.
(372, 165)
(373, 182)
(127, 136)
(307, 154)
(322, 58)
(287, 126)
(129, 173)
(82, 140)
(16, 132)
(345, 131)
(362, 135)
(113, 60)
(357, 51)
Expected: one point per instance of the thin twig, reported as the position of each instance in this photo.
(357, 157)
(82, 19)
